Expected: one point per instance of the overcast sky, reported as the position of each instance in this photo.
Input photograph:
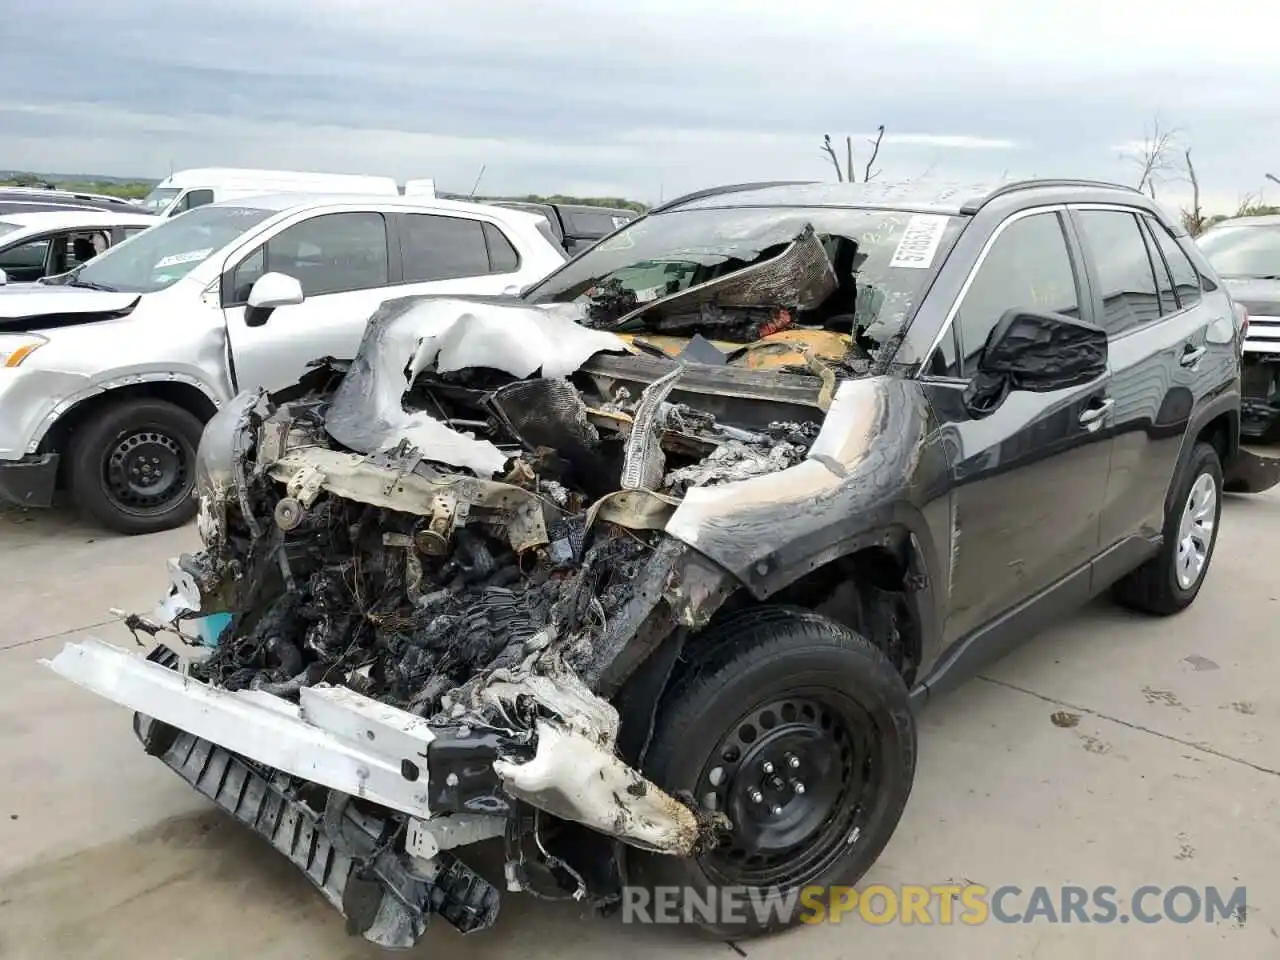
(642, 98)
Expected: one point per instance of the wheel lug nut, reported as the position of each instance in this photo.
(767, 767)
(797, 787)
(777, 810)
(793, 761)
(755, 795)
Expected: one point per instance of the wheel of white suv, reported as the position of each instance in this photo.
(132, 465)
(1170, 581)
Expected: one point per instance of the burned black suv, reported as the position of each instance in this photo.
(646, 571)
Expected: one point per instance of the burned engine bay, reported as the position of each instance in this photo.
(351, 550)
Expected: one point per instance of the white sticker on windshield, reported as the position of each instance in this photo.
(919, 241)
(188, 257)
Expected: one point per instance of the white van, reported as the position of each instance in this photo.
(420, 188)
(187, 189)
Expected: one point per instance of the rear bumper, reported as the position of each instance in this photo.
(1249, 472)
(30, 481)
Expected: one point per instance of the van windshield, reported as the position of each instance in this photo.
(159, 198)
(162, 255)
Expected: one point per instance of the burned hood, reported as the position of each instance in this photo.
(408, 335)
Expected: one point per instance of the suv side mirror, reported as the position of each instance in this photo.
(269, 291)
(1036, 351)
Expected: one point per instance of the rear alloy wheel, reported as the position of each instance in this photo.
(800, 731)
(1170, 581)
(133, 466)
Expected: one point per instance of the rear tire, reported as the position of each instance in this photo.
(132, 466)
(776, 697)
(1170, 581)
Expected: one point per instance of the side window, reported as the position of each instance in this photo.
(25, 262)
(502, 255)
(1029, 265)
(198, 198)
(331, 253)
(1129, 295)
(443, 248)
(1186, 278)
(1164, 282)
(246, 274)
(133, 231)
(84, 247)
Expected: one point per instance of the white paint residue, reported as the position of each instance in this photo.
(439, 442)
(191, 256)
(919, 243)
(518, 340)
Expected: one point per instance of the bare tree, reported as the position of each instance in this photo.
(831, 152)
(1248, 204)
(1193, 219)
(847, 173)
(1155, 157)
(868, 173)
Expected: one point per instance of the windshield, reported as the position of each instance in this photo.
(857, 272)
(1243, 251)
(162, 255)
(8, 228)
(159, 198)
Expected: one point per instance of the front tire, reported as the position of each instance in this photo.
(1170, 581)
(801, 731)
(132, 466)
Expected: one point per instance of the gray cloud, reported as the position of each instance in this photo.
(647, 97)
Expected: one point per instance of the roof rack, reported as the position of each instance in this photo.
(732, 188)
(973, 206)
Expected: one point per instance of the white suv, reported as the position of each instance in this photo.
(108, 373)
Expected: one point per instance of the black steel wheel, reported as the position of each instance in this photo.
(133, 465)
(800, 731)
(794, 776)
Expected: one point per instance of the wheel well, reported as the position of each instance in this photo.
(1222, 433)
(183, 395)
(866, 591)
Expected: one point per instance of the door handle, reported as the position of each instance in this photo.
(1091, 417)
(1191, 355)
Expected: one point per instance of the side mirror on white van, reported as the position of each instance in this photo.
(4, 278)
(269, 291)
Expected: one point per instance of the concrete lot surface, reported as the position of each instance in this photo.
(1161, 766)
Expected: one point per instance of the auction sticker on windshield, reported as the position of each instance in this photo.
(191, 256)
(919, 241)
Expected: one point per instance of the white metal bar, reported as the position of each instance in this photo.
(327, 741)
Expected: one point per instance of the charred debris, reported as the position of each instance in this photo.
(374, 565)
(466, 521)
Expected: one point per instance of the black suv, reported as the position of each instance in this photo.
(800, 457)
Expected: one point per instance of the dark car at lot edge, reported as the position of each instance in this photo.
(1245, 252)
(575, 226)
(850, 444)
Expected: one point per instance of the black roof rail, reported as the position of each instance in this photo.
(731, 188)
(973, 206)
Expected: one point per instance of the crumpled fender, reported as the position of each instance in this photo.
(865, 481)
